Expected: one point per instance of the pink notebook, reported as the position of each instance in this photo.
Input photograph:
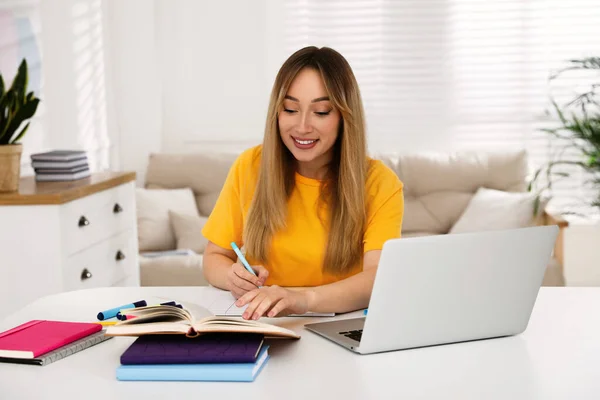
(37, 337)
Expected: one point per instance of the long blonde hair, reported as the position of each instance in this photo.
(343, 191)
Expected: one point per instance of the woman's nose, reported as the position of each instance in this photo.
(304, 125)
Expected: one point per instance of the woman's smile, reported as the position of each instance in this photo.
(305, 144)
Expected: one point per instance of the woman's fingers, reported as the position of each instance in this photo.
(247, 297)
(237, 291)
(253, 304)
(242, 278)
(278, 309)
(262, 308)
(262, 273)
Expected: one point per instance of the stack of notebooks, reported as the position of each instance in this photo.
(41, 342)
(233, 357)
(60, 165)
(191, 344)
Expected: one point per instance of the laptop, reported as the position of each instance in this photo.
(452, 288)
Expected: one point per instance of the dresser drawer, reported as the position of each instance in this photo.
(91, 219)
(102, 264)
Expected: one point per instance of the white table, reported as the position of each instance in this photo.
(557, 357)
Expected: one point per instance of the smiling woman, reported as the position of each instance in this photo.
(309, 121)
(310, 208)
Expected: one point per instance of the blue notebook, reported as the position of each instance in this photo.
(238, 372)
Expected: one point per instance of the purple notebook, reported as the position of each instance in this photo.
(179, 349)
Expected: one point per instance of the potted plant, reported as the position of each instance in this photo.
(16, 107)
(578, 128)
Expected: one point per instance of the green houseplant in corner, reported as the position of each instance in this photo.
(578, 129)
(16, 107)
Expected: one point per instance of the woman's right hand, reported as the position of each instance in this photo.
(240, 281)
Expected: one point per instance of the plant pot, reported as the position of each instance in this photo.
(10, 167)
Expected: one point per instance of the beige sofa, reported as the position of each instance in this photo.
(438, 189)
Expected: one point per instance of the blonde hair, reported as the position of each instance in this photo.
(343, 191)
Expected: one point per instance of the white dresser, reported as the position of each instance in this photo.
(64, 236)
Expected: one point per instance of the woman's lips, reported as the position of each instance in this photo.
(305, 144)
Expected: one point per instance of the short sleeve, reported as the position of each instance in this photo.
(384, 213)
(226, 222)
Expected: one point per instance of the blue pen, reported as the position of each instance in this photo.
(113, 311)
(366, 311)
(168, 303)
(242, 258)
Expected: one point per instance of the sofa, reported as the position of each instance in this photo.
(445, 193)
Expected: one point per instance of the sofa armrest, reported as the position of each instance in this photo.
(554, 219)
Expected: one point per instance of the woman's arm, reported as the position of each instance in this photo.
(221, 270)
(216, 263)
(349, 294)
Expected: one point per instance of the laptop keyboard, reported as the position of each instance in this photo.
(354, 335)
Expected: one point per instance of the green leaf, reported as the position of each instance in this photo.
(7, 115)
(19, 85)
(16, 140)
(22, 114)
(536, 205)
(559, 112)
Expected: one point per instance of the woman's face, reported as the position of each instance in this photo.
(308, 123)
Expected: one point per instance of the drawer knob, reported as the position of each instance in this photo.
(83, 221)
(85, 274)
(120, 256)
(117, 208)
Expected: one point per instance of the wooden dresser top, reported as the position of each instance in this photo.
(36, 193)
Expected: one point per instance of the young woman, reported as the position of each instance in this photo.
(310, 208)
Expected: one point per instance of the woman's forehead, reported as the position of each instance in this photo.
(307, 86)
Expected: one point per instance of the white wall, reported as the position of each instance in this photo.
(73, 65)
(135, 86)
(213, 59)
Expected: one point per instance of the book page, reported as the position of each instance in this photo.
(227, 324)
(123, 329)
(223, 304)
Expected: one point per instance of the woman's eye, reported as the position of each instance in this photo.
(323, 113)
(289, 111)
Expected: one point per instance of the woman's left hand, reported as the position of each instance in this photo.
(273, 301)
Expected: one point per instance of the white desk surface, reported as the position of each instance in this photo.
(557, 357)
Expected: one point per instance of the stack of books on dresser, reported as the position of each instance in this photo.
(60, 165)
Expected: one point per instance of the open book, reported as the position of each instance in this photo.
(191, 320)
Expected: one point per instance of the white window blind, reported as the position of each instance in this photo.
(455, 74)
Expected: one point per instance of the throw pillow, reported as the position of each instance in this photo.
(188, 231)
(491, 209)
(154, 226)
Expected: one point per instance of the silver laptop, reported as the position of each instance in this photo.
(447, 289)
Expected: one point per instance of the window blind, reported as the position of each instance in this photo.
(457, 74)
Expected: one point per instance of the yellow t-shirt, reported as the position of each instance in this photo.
(297, 252)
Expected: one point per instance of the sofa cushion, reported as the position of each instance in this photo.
(417, 234)
(188, 231)
(496, 209)
(438, 186)
(153, 222)
(204, 173)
